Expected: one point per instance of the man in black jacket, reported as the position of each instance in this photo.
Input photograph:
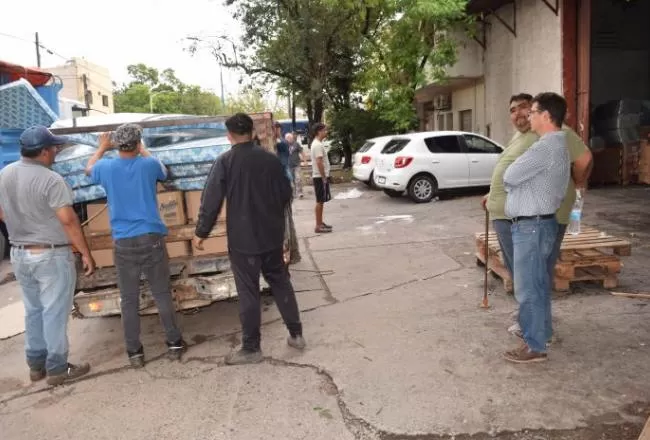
(257, 189)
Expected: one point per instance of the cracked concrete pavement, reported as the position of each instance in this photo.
(398, 348)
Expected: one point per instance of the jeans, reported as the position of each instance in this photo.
(48, 279)
(503, 228)
(246, 270)
(296, 180)
(533, 243)
(144, 254)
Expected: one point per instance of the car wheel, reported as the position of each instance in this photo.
(371, 181)
(393, 193)
(335, 157)
(422, 189)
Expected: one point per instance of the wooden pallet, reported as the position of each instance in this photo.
(590, 256)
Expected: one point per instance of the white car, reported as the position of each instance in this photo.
(424, 163)
(364, 160)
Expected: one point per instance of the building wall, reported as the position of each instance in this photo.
(98, 83)
(529, 62)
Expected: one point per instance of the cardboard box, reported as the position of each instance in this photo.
(214, 245)
(102, 222)
(103, 258)
(178, 249)
(171, 207)
(193, 203)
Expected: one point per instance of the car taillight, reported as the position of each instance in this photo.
(365, 159)
(402, 161)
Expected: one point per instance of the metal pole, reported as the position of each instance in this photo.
(38, 51)
(223, 96)
(150, 102)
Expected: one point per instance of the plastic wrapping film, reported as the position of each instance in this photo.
(23, 107)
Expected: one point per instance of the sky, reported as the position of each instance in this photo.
(118, 33)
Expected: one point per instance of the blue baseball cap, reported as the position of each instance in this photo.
(38, 137)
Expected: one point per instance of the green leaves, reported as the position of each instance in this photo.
(163, 92)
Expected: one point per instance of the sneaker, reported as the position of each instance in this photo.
(325, 225)
(523, 355)
(36, 375)
(73, 372)
(297, 342)
(514, 328)
(136, 359)
(243, 356)
(175, 350)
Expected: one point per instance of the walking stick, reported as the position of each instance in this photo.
(486, 250)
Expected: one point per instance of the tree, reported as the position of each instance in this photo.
(413, 44)
(162, 92)
(296, 44)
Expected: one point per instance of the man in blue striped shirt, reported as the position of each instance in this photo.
(536, 184)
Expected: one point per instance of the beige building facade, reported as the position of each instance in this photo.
(86, 82)
(508, 56)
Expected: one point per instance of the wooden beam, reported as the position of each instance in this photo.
(188, 120)
(103, 240)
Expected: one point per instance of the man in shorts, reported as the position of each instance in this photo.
(320, 166)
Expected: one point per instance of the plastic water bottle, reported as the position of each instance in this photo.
(576, 215)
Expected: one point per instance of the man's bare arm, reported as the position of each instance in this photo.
(104, 145)
(321, 167)
(72, 228)
(581, 169)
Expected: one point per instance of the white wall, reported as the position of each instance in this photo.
(531, 62)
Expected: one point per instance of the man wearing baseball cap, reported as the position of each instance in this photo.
(36, 205)
(138, 233)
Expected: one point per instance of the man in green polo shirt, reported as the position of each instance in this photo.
(494, 201)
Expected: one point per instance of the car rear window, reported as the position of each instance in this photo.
(395, 146)
(365, 147)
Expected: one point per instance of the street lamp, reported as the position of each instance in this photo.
(151, 95)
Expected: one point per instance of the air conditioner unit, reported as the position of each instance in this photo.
(442, 102)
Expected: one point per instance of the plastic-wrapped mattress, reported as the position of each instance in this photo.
(188, 151)
(23, 107)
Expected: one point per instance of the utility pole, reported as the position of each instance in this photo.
(38, 51)
(87, 97)
(223, 97)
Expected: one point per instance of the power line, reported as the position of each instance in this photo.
(53, 52)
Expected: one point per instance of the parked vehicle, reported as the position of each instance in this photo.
(334, 151)
(422, 164)
(365, 159)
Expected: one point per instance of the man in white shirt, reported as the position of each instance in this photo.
(320, 166)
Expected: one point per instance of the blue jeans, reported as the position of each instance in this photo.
(533, 243)
(48, 279)
(503, 228)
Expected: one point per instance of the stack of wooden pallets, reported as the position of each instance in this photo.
(591, 255)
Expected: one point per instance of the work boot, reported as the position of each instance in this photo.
(524, 355)
(136, 359)
(297, 342)
(175, 350)
(37, 374)
(244, 356)
(73, 372)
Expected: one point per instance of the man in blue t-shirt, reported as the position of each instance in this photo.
(138, 233)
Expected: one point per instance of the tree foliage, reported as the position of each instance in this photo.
(413, 45)
(164, 92)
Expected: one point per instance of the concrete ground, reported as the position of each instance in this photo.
(398, 347)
